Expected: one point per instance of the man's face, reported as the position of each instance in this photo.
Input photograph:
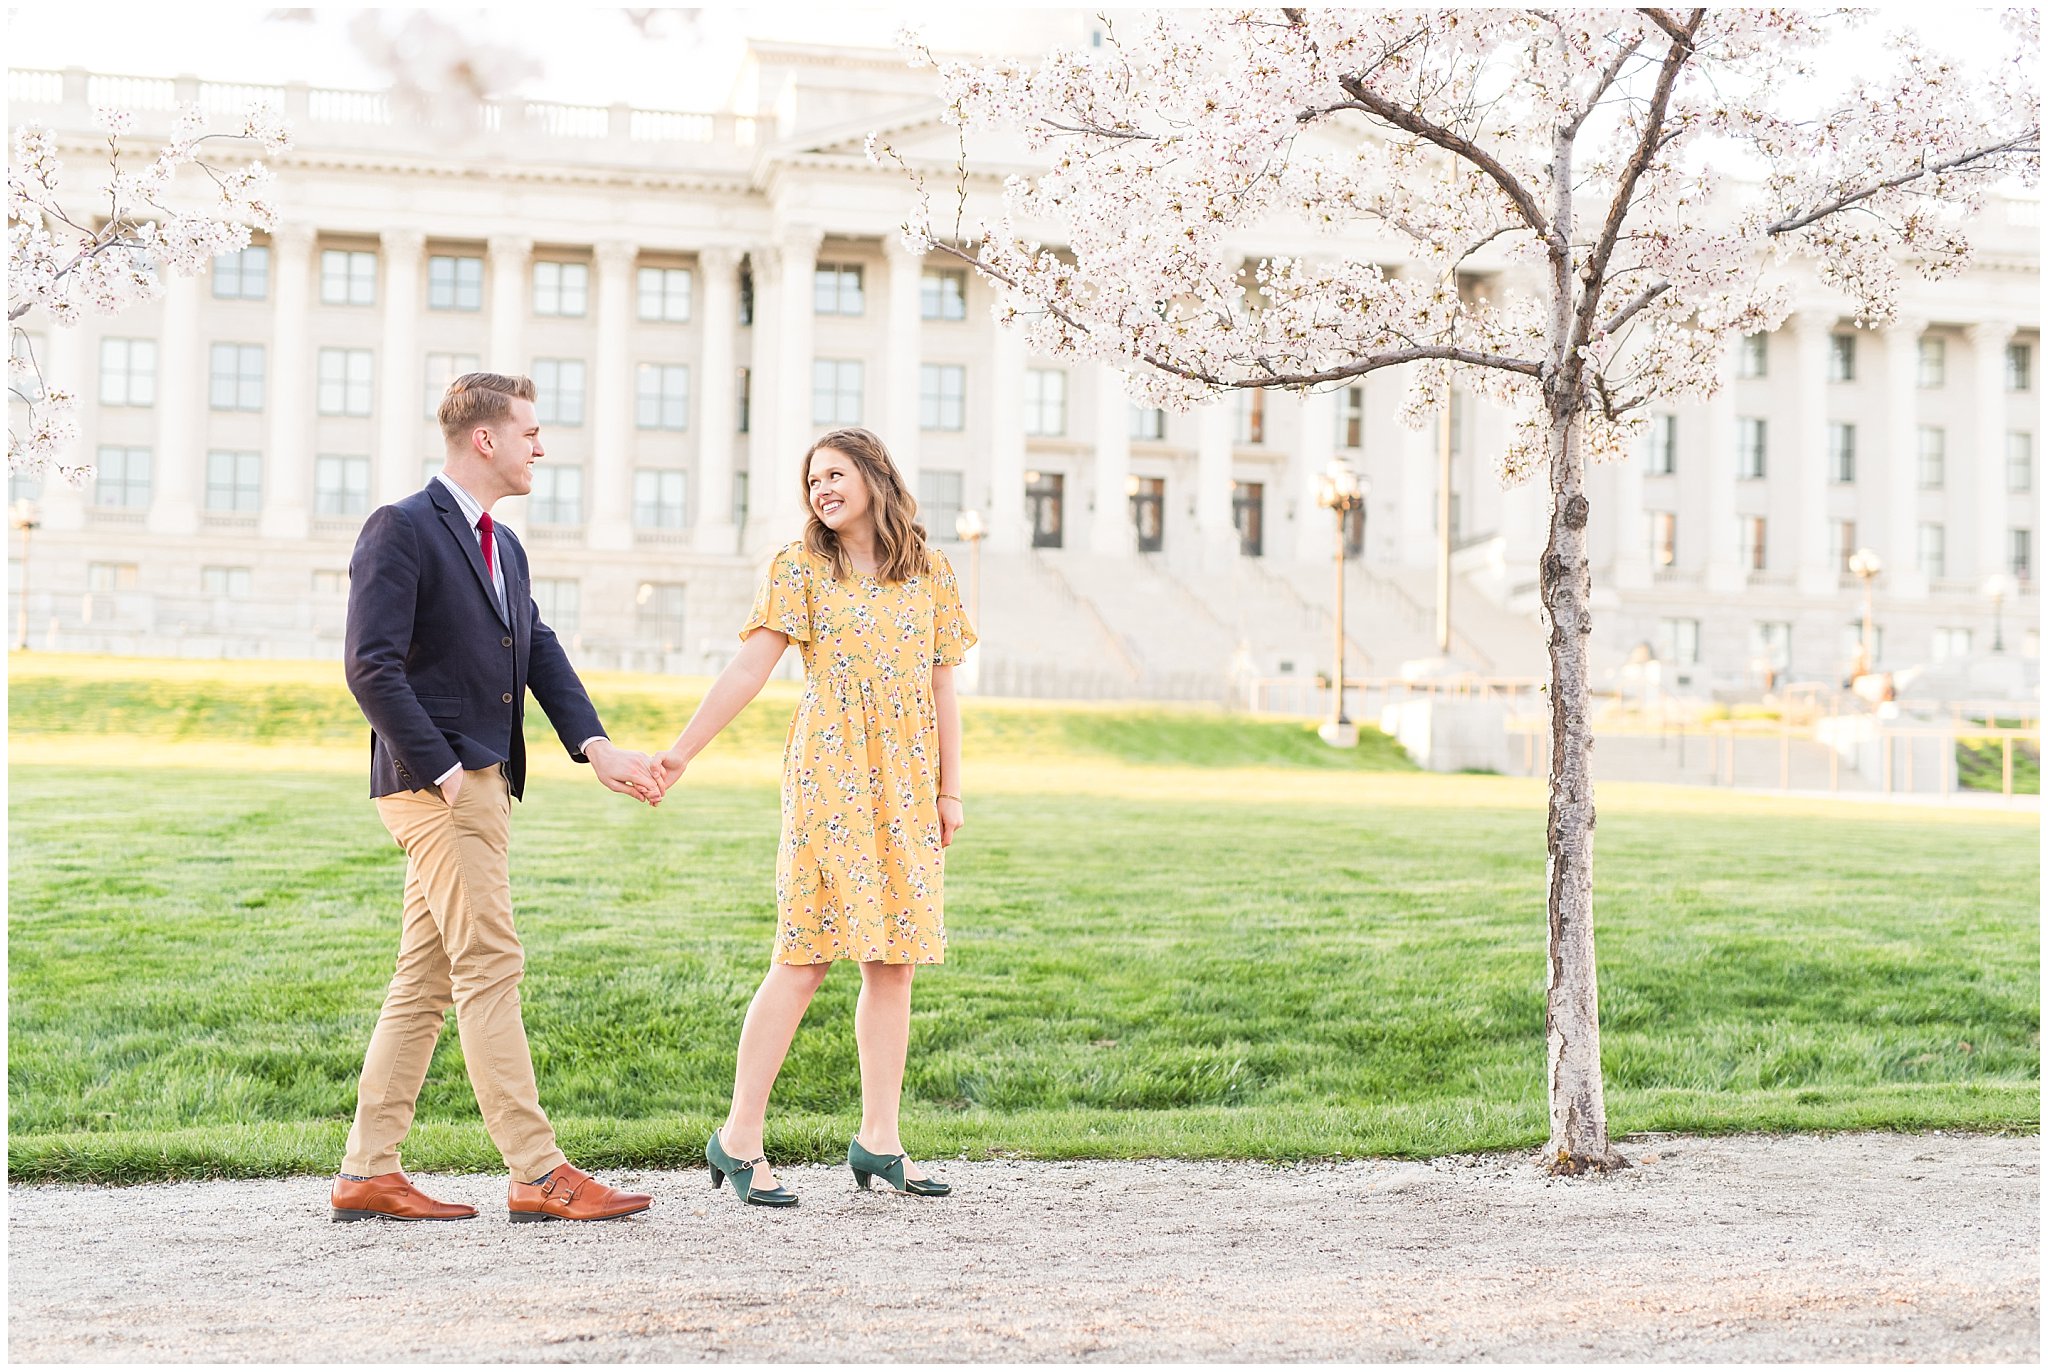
(513, 447)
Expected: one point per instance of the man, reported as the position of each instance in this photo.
(444, 641)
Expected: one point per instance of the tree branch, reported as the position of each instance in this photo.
(2029, 141)
(1606, 82)
(1634, 307)
(1371, 102)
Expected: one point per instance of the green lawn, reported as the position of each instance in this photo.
(1174, 932)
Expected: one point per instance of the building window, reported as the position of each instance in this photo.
(329, 582)
(2019, 552)
(1841, 357)
(943, 295)
(455, 283)
(442, 368)
(941, 396)
(559, 602)
(557, 494)
(1933, 363)
(836, 385)
(658, 498)
(127, 371)
(1844, 537)
(743, 400)
(1842, 453)
(939, 498)
(237, 381)
(558, 390)
(1354, 531)
(1752, 356)
(1248, 514)
(2019, 462)
(1771, 640)
(348, 278)
(111, 576)
(2019, 367)
(1852, 642)
(345, 381)
(1663, 453)
(1045, 504)
(1749, 449)
(243, 275)
(122, 479)
(663, 392)
(341, 485)
(664, 294)
(1251, 417)
(234, 482)
(659, 609)
(431, 467)
(1678, 641)
(561, 289)
(1351, 417)
(747, 294)
(1148, 512)
(1148, 424)
(1950, 644)
(1045, 402)
(1933, 458)
(837, 290)
(1934, 551)
(1663, 538)
(236, 582)
(1753, 543)
(22, 486)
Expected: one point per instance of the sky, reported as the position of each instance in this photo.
(683, 59)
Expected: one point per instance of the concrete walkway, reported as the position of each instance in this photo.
(1871, 1247)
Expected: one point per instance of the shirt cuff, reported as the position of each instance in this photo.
(442, 780)
(594, 738)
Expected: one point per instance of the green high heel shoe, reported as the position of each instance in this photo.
(889, 1167)
(724, 1165)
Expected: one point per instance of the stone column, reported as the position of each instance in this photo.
(719, 310)
(1725, 572)
(774, 503)
(1415, 456)
(175, 474)
(903, 328)
(768, 423)
(1896, 538)
(1799, 460)
(68, 364)
(509, 256)
(398, 457)
(1630, 569)
(611, 401)
(1981, 491)
(1215, 428)
(288, 463)
(1317, 415)
(1007, 530)
(1109, 532)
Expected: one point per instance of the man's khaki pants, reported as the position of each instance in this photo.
(456, 947)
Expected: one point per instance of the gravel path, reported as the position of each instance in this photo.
(1866, 1247)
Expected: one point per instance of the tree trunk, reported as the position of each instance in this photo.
(1578, 1101)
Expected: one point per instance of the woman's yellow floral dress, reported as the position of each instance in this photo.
(860, 873)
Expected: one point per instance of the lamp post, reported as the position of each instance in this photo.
(25, 517)
(1339, 490)
(1998, 586)
(971, 528)
(1866, 565)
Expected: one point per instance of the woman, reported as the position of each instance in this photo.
(870, 793)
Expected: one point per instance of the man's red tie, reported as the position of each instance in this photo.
(483, 526)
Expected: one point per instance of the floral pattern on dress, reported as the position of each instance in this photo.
(859, 872)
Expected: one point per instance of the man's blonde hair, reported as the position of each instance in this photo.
(477, 398)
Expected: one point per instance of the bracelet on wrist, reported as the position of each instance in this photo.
(948, 795)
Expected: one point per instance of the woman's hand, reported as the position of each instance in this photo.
(952, 814)
(668, 768)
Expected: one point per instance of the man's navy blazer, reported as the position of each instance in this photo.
(441, 674)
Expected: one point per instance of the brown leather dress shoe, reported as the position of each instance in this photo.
(390, 1197)
(570, 1193)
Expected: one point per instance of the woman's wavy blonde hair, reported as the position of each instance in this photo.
(900, 546)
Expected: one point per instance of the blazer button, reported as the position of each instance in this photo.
(506, 642)
(507, 697)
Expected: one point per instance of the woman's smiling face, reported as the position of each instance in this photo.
(838, 492)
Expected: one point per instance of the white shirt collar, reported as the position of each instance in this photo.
(472, 508)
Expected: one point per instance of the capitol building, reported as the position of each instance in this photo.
(698, 295)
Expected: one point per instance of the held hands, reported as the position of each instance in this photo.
(668, 768)
(630, 774)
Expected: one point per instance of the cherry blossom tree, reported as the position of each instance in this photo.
(103, 250)
(1651, 172)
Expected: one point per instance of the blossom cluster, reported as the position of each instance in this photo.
(1646, 169)
(108, 249)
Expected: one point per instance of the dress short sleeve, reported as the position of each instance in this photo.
(951, 632)
(784, 601)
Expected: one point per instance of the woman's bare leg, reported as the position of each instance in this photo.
(778, 1007)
